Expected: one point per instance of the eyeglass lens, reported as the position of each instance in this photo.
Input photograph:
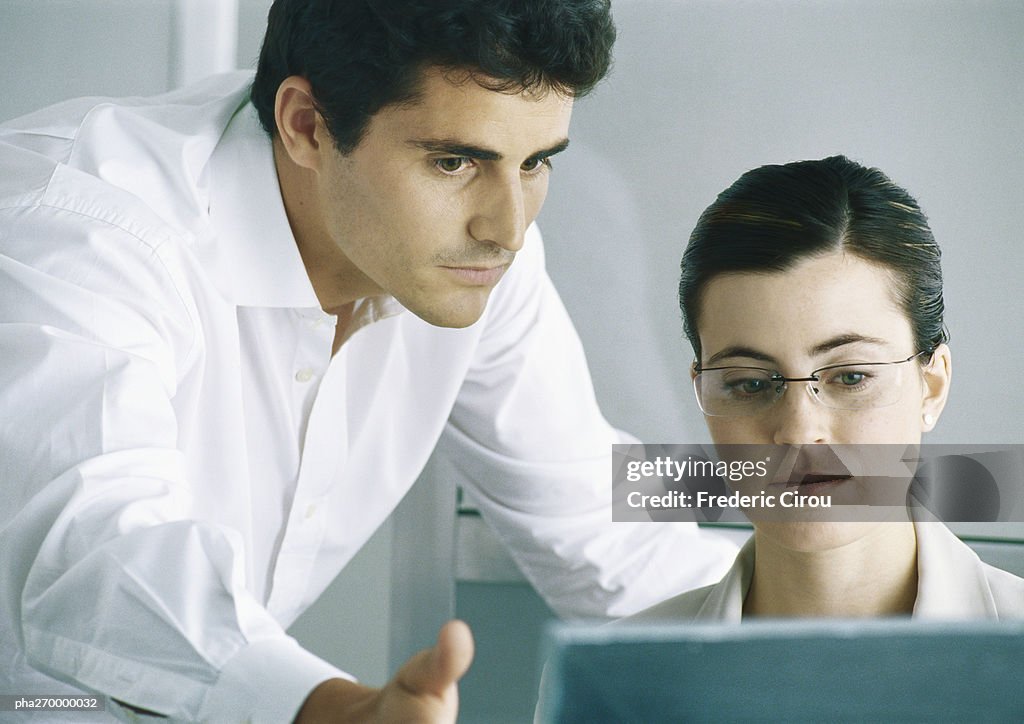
(749, 390)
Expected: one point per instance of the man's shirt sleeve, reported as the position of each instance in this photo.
(111, 582)
(532, 450)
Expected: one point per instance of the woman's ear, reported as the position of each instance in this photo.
(937, 375)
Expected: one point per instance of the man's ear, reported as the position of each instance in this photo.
(693, 370)
(937, 374)
(299, 124)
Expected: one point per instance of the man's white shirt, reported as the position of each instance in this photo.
(185, 467)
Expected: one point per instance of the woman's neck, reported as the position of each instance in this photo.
(872, 575)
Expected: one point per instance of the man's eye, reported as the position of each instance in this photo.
(531, 165)
(452, 164)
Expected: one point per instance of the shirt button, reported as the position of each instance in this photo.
(310, 510)
(304, 375)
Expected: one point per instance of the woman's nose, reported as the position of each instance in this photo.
(798, 418)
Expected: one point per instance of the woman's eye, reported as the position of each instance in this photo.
(752, 386)
(452, 164)
(749, 386)
(849, 378)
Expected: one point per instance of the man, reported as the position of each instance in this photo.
(229, 350)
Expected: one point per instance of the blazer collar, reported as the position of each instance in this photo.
(725, 600)
(951, 581)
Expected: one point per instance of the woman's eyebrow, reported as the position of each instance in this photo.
(841, 340)
(828, 345)
(739, 351)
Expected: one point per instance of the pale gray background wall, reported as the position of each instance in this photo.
(702, 90)
(928, 90)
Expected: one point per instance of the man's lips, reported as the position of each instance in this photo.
(478, 275)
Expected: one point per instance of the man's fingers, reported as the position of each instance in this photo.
(434, 670)
(454, 649)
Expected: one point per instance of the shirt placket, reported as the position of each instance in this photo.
(318, 384)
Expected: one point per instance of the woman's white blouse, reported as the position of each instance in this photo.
(952, 583)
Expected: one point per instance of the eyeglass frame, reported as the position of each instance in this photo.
(776, 376)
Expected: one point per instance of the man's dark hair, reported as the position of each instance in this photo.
(362, 55)
(773, 217)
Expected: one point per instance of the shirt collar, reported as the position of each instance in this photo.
(373, 309)
(256, 254)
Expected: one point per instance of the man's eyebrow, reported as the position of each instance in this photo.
(453, 147)
(552, 150)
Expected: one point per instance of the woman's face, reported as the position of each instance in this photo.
(824, 311)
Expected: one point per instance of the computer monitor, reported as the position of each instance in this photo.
(807, 670)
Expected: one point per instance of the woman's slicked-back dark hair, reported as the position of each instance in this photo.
(775, 216)
(362, 55)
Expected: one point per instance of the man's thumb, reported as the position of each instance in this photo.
(435, 669)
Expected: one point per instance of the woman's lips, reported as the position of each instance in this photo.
(813, 483)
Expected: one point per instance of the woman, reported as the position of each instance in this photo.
(791, 274)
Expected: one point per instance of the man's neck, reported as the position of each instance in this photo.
(335, 280)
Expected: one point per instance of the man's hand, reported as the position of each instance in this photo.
(423, 690)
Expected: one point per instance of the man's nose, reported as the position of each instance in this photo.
(500, 216)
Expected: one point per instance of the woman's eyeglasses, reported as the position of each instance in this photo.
(746, 391)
